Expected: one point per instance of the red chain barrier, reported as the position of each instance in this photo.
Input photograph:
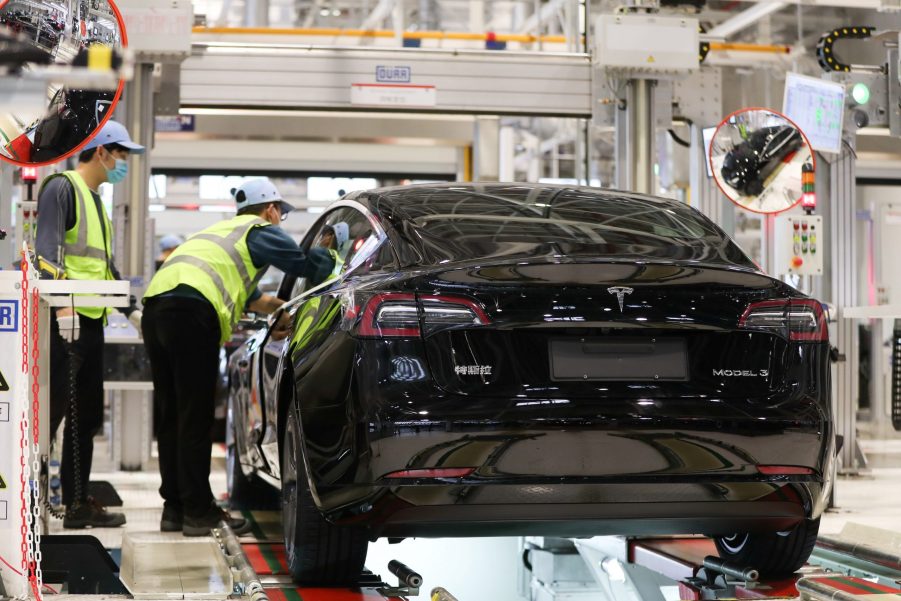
(23, 434)
(30, 549)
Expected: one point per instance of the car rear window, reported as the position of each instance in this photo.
(460, 224)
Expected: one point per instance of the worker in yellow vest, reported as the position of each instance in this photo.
(75, 241)
(190, 308)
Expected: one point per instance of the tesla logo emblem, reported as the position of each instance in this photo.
(620, 292)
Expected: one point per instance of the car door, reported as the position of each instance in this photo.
(249, 368)
(306, 301)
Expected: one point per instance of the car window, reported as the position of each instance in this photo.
(469, 223)
(381, 260)
(352, 240)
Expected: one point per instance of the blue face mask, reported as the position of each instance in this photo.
(117, 173)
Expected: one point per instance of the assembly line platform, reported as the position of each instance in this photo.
(159, 566)
(864, 560)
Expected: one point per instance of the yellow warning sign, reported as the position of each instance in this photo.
(2, 482)
(4, 386)
(651, 59)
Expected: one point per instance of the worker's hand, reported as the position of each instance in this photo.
(283, 326)
(69, 327)
(134, 318)
(266, 304)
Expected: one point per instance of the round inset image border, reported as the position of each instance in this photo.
(813, 158)
(121, 22)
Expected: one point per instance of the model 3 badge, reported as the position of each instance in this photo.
(739, 373)
(620, 292)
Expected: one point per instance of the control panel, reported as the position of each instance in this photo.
(798, 244)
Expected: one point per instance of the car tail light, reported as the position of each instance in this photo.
(448, 472)
(797, 319)
(389, 315)
(784, 470)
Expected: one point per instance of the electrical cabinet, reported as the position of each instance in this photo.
(798, 242)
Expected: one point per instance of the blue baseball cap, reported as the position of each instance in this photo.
(114, 132)
(170, 241)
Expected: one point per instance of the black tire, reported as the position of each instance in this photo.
(773, 554)
(244, 492)
(317, 551)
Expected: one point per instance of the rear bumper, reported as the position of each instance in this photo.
(569, 520)
(573, 510)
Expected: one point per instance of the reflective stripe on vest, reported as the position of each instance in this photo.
(221, 255)
(88, 244)
(339, 264)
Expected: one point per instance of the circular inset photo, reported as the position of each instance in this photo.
(757, 157)
(59, 70)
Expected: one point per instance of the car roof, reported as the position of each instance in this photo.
(393, 198)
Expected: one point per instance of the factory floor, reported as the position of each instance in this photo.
(169, 565)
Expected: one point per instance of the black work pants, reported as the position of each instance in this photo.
(79, 401)
(181, 336)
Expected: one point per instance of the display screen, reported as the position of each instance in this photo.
(817, 107)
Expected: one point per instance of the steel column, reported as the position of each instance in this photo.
(705, 195)
(131, 197)
(256, 13)
(640, 108)
(7, 251)
(840, 282)
(486, 149)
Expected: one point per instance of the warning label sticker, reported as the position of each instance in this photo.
(4, 385)
(2, 482)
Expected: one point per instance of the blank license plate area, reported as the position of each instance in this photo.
(634, 359)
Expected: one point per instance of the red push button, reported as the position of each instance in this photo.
(797, 261)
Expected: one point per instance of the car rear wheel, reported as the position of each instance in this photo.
(317, 551)
(773, 554)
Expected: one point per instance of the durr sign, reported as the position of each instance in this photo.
(386, 74)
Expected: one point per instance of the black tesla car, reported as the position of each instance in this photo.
(519, 359)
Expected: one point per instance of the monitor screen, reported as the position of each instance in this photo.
(818, 108)
(707, 137)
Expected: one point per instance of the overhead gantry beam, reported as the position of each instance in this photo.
(745, 19)
(540, 18)
(378, 15)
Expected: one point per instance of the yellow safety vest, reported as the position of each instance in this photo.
(216, 262)
(88, 245)
(303, 321)
(339, 264)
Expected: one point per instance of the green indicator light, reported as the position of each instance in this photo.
(860, 93)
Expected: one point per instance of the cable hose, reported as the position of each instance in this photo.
(677, 139)
(72, 416)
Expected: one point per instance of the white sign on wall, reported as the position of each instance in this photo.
(386, 94)
(10, 372)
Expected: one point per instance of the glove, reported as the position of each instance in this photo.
(135, 319)
(69, 328)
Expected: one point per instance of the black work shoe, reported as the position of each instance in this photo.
(92, 514)
(201, 526)
(172, 519)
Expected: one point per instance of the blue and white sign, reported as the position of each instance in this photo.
(384, 74)
(174, 123)
(9, 316)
